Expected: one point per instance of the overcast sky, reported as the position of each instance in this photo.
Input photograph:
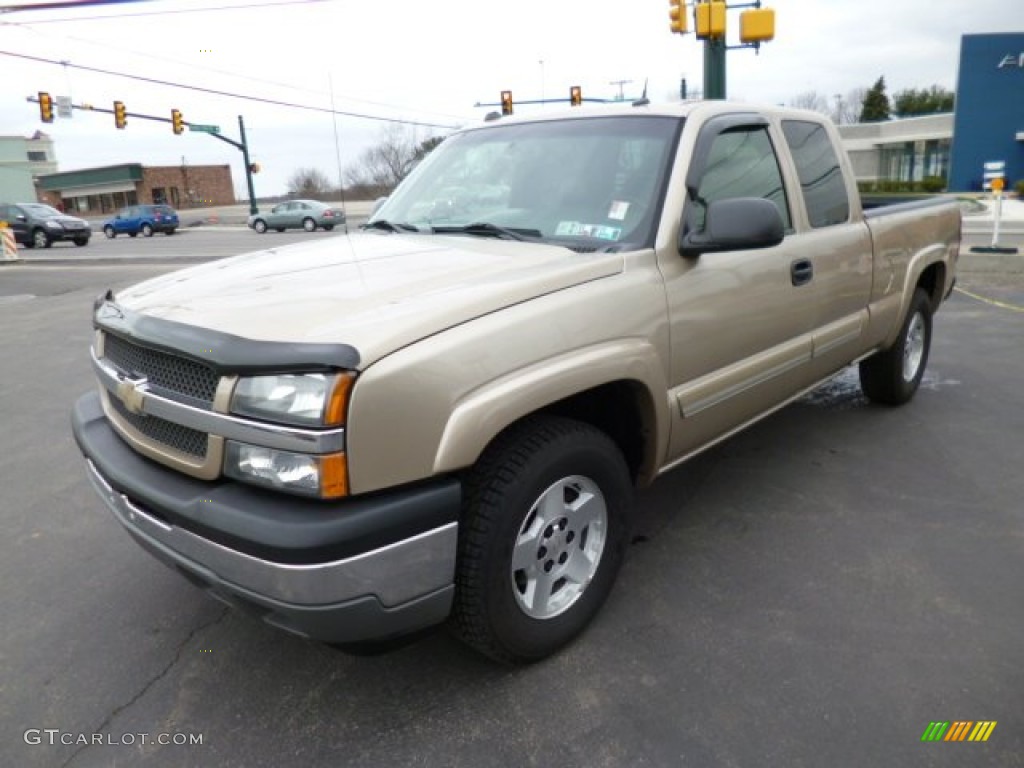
(429, 62)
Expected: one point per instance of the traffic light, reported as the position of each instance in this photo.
(757, 26)
(711, 19)
(45, 107)
(120, 114)
(677, 16)
(506, 102)
(177, 123)
(575, 96)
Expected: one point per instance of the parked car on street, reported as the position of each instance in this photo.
(146, 219)
(308, 214)
(37, 225)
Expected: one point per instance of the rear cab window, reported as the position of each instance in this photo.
(821, 177)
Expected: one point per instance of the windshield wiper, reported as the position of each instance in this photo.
(486, 229)
(390, 226)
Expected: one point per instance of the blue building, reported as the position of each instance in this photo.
(988, 125)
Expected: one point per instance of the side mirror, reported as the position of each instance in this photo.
(737, 224)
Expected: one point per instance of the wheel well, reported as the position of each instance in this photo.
(933, 280)
(622, 410)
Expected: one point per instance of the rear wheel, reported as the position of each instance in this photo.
(892, 376)
(169, 232)
(80, 241)
(40, 239)
(544, 530)
(309, 225)
(147, 230)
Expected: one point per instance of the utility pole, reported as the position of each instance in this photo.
(620, 83)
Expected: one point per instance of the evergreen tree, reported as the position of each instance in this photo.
(926, 101)
(876, 103)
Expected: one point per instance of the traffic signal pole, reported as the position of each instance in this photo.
(714, 68)
(43, 99)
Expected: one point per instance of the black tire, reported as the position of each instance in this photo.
(80, 241)
(260, 226)
(169, 232)
(40, 239)
(540, 457)
(109, 232)
(133, 234)
(328, 227)
(892, 376)
(147, 230)
(279, 229)
(309, 225)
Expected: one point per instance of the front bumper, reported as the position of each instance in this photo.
(355, 570)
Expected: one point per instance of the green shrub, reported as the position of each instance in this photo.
(933, 184)
(1019, 186)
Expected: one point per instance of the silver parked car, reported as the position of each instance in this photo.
(308, 214)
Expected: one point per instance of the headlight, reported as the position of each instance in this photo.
(324, 477)
(302, 399)
(54, 225)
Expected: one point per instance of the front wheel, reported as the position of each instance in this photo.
(543, 533)
(109, 232)
(80, 241)
(260, 226)
(892, 376)
(309, 225)
(147, 230)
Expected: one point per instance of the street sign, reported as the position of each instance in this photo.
(64, 106)
(204, 128)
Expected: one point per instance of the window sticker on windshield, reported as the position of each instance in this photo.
(577, 229)
(618, 210)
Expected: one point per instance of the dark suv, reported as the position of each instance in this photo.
(37, 225)
(146, 219)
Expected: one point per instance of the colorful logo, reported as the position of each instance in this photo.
(959, 730)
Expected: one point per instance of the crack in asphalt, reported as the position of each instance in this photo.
(101, 728)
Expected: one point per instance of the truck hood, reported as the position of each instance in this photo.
(375, 292)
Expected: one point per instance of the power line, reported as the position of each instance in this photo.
(68, 5)
(215, 92)
(206, 69)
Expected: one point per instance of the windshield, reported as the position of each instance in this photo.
(42, 210)
(587, 182)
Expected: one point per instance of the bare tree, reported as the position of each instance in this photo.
(309, 183)
(849, 107)
(381, 167)
(811, 100)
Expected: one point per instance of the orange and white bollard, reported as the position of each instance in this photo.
(10, 245)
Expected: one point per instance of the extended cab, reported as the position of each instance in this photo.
(444, 417)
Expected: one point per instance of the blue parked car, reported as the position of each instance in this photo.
(146, 219)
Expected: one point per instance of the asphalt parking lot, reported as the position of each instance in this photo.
(812, 592)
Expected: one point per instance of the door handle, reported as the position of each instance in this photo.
(801, 271)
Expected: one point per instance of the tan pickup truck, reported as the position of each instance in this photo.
(444, 417)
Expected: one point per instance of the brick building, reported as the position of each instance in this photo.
(95, 191)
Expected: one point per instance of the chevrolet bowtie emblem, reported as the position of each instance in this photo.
(132, 392)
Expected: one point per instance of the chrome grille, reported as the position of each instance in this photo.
(170, 373)
(183, 439)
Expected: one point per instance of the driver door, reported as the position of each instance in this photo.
(740, 321)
